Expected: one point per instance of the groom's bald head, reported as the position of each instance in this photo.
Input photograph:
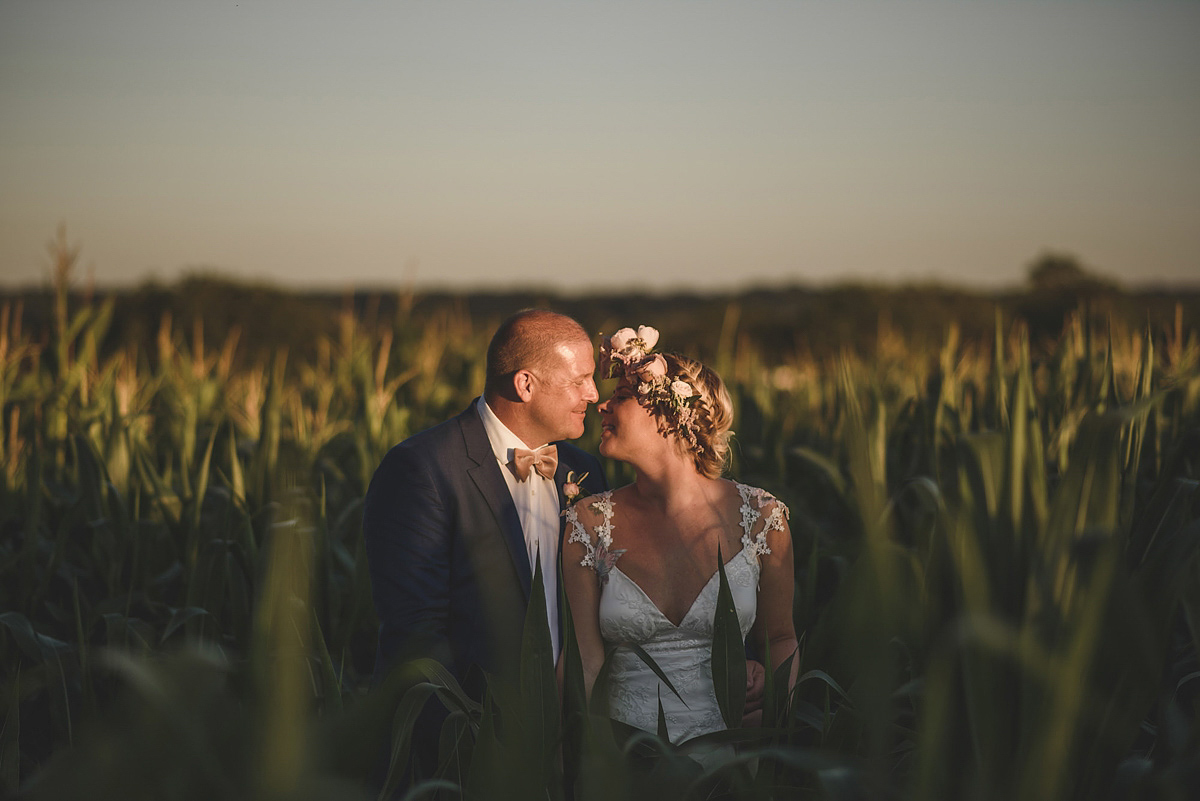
(528, 340)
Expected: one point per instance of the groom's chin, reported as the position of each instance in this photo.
(576, 430)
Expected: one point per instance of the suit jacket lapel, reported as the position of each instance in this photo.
(490, 482)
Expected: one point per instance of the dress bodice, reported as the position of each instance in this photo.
(683, 652)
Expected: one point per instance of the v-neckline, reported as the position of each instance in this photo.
(691, 606)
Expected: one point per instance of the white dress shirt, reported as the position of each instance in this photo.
(536, 499)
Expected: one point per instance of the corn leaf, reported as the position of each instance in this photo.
(728, 654)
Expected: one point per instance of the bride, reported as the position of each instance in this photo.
(639, 563)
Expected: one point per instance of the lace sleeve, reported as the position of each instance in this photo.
(579, 534)
(759, 504)
(599, 556)
(602, 503)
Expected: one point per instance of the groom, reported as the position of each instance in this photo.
(456, 516)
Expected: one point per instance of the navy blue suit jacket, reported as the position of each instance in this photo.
(449, 572)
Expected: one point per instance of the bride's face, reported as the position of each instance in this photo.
(627, 429)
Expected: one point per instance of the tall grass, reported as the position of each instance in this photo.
(997, 574)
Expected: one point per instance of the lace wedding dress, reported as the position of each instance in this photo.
(683, 652)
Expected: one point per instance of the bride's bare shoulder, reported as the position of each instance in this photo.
(731, 497)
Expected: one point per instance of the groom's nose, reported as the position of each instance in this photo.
(591, 394)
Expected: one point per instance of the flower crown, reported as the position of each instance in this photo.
(630, 355)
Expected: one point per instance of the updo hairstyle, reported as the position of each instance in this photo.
(711, 417)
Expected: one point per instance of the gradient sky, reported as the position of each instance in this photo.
(575, 145)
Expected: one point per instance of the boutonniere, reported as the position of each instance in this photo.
(573, 487)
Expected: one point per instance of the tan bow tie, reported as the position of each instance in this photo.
(544, 460)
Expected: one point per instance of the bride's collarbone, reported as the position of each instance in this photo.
(672, 534)
(678, 547)
(676, 559)
(690, 521)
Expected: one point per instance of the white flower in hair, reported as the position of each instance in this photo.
(622, 338)
(648, 335)
(682, 389)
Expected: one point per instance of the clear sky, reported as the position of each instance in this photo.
(576, 144)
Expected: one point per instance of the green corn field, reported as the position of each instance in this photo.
(998, 579)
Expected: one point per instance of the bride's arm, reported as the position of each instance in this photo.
(776, 587)
(583, 592)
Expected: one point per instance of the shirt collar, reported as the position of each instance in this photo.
(501, 439)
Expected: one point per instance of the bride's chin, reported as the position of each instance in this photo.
(606, 447)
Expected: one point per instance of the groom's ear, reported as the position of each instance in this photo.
(523, 385)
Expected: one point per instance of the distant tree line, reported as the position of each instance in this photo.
(779, 321)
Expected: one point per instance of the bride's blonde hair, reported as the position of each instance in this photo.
(705, 434)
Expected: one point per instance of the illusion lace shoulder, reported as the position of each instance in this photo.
(683, 652)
